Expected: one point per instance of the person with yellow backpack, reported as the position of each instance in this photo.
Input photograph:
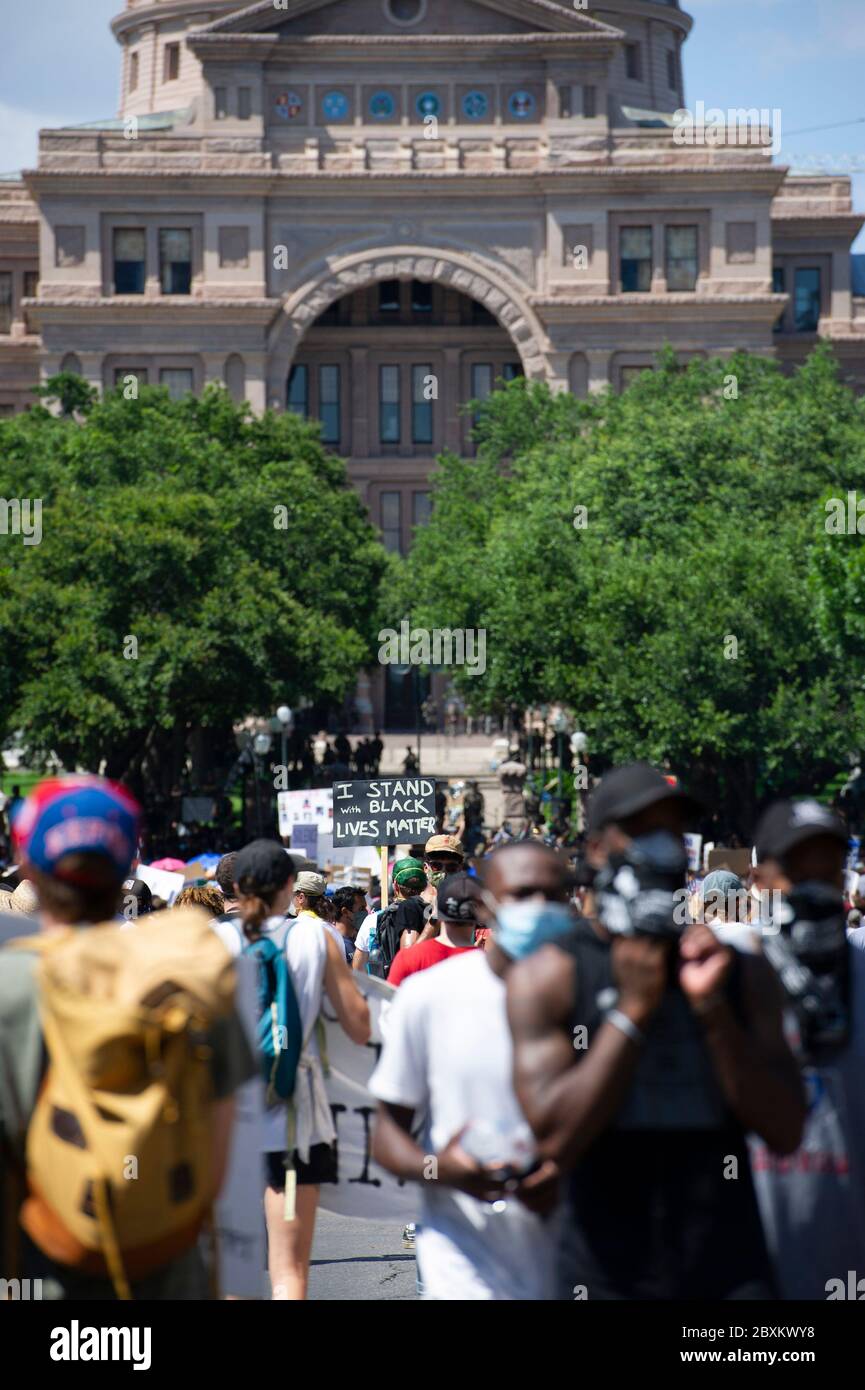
(120, 1053)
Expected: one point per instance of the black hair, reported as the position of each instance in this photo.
(225, 874)
(343, 900)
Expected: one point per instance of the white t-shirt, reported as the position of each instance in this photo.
(366, 929)
(448, 1053)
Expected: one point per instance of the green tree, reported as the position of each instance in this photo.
(196, 565)
(681, 613)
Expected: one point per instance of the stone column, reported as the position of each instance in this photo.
(359, 404)
(451, 398)
(557, 371)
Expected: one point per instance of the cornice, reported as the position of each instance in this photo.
(372, 47)
(658, 308)
(128, 309)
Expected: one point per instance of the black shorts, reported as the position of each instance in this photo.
(323, 1166)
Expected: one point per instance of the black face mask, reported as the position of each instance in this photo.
(810, 954)
(358, 920)
(639, 889)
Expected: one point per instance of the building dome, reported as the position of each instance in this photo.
(159, 73)
(647, 75)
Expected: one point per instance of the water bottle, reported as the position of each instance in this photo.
(374, 965)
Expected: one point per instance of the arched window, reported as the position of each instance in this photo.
(235, 377)
(71, 363)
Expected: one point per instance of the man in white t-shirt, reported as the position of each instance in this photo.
(448, 1058)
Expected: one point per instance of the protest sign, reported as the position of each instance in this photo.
(364, 1189)
(305, 837)
(389, 811)
(738, 861)
(693, 844)
(313, 807)
(160, 882)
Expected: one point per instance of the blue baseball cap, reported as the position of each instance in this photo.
(78, 815)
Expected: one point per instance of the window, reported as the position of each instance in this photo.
(171, 62)
(511, 370)
(388, 297)
(297, 393)
(779, 286)
(421, 297)
(244, 103)
(234, 375)
(565, 103)
(405, 11)
(68, 246)
(121, 374)
(179, 380)
(421, 404)
(633, 62)
(31, 285)
(5, 301)
(806, 301)
(389, 405)
(421, 508)
(134, 64)
(6, 408)
(635, 260)
(590, 102)
(482, 384)
(220, 103)
(741, 243)
(672, 82)
(682, 258)
(628, 375)
(328, 403)
(130, 252)
(391, 521)
(480, 315)
(175, 260)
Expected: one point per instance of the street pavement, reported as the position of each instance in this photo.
(363, 1260)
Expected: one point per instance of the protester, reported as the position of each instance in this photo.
(813, 1202)
(347, 904)
(458, 921)
(448, 1056)
(77, 837)
(384, 930)
(299, 1138)
(206, 896)
(724, 903)
(225, 880)
(643, 1056)
(137, 900)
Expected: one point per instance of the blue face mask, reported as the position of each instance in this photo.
(522, 927)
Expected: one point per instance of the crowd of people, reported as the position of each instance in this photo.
(608, 1076)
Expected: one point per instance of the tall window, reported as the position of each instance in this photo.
(134, 62)
(388, 297)
(121, 373)
(671, 70)
(511, 370)
(328, 403)
(389, 405)
(244, 103)
(779, 286)
(297, 393)
(421, 508)
(220, 103)
(5, 301)
(682, 263)
(179, 380)
(635, 257)
(590, 102)
(421, 297)
(806, 301)
(391, 521)
(31, 285)
(482, 384)
(633, 62)
(421, 405)
(130, 253)
(171, 62)
(175, 260)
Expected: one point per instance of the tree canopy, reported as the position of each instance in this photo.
(196, 565)
(658, 561)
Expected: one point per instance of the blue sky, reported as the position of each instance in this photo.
(59, 63)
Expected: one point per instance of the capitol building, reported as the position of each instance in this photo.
(372, 211)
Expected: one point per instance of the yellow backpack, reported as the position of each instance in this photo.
(119, 1144)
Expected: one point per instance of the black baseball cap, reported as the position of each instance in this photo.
(262, 865)
(789, 823)
(139, 890)
(627, 790)
(457, 898)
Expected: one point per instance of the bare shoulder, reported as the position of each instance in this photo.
(541, 988)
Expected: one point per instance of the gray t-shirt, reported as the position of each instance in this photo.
(813, 1202)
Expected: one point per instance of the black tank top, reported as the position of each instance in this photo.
(650, 1213)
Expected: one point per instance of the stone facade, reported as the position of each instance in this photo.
(286, 180)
